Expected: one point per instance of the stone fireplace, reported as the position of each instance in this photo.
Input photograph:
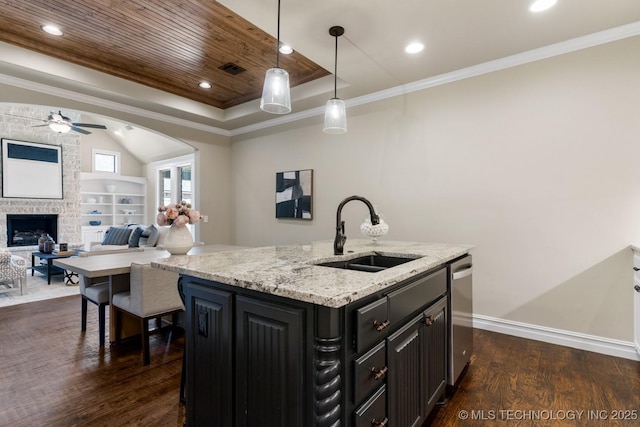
(66, 209)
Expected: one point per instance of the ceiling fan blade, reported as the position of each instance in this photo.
(40, 126)
(82, 131)
(89, 125)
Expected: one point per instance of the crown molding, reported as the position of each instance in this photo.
(568, 46)
(572, 45)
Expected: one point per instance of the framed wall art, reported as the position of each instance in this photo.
(294, 198)
(31, 170)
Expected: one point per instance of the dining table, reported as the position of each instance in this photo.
(117, 267)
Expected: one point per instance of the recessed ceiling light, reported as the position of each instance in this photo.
(52, 29)
(414, 47)
(205, 85)
(540, 5)
(285, 49)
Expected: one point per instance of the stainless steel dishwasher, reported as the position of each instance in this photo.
(460, 317)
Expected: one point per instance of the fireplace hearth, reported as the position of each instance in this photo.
(25, 230)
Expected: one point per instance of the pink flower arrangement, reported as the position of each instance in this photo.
(179, 214)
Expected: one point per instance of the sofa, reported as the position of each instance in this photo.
(131, 236)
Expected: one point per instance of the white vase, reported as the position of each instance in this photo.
(179, 240)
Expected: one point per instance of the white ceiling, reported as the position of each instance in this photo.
(457, 34)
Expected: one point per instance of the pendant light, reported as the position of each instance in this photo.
(335, 114)
(276, 97)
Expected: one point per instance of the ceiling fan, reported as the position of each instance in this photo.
(63, 124)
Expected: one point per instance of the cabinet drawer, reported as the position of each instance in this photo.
(370, 324)
(370, 371)
(373, 412)
(414, 296)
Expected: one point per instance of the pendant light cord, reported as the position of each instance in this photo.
(335, 73)
(278, 43)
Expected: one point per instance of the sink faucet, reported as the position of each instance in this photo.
(338, 243)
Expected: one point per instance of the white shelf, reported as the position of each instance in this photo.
(110, 204)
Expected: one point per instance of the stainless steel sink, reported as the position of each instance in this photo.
(369, 263)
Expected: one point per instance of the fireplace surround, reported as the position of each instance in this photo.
(26, 229)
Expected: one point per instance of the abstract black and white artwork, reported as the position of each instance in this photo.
(293, 194)
(31, 170)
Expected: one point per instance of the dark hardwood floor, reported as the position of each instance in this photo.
(511, 381)
(51, 374)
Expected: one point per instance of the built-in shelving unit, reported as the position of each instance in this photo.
(112, 200)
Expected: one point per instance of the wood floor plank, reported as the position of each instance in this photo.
(52, 374)
(512, 380)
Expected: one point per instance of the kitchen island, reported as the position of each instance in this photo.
(274, 339)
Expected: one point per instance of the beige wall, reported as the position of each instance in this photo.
(535, 165)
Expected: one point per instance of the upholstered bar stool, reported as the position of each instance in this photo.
(153, 293)
(96, 291)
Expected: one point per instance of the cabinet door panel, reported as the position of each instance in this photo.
(209, 355)
(270, 369)
(405, 375)
(435, 352)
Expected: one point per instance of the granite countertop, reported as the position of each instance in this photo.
(289, 270)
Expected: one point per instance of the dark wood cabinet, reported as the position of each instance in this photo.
(209, 352)
(417, 357)
(255, 359)
(245, 359)
(269, 364)
(405, 375)
(434, 350)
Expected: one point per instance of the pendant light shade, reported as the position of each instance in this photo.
(335, 116)
(276, 96)
(335, 113)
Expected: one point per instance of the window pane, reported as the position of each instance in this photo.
(185, 183)
(105, 163)
(164, 179)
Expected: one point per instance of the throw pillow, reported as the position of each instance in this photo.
(152, 237)
(134, 240)
(117, 236)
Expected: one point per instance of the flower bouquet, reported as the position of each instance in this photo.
(179, 214)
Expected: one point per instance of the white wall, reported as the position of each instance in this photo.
(535, 165)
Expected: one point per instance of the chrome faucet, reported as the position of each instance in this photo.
(338, 243)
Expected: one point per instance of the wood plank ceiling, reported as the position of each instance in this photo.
(167, 45)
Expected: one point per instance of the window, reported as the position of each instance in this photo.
(175, 181)
(105, 161)
(185, 183)
(164, 187)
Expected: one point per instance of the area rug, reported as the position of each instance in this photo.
(37, 290)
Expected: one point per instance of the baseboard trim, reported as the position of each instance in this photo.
(608, 346)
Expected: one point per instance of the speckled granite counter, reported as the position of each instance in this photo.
(290, 271)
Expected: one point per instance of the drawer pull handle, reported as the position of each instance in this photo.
(378, 373)
(379, 423)
(636, 269)
(380, 326)
(429, 320)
